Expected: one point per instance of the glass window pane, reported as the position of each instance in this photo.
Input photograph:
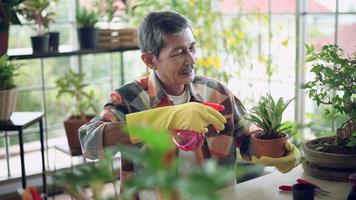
(29, 74)
(19, 36)
(246, 6)
(346, 33)
(321, 6)
(283, 6)
(320, 30)
(347, 6)
(29, 101)
(283, 48)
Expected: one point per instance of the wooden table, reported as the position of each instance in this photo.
(266, 187)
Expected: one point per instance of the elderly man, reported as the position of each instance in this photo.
(169, 98)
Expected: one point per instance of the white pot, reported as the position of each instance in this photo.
(7, 103)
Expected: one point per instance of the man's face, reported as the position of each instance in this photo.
(175, 64)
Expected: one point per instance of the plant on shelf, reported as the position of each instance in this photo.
(9, 10)
(106, 10)
(87, 33)
(156, 173)
(334, 85)
(7, 87)
(72, 84)
(38, 12)
(268, 116)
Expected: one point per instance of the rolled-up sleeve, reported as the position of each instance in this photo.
(92, 134)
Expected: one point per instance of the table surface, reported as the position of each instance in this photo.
(20, 120)
(266, 187)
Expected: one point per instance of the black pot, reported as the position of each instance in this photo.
(40, 43)
(303, 191)
(88, 37)
(53, 41)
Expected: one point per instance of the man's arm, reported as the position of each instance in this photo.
(107, 129)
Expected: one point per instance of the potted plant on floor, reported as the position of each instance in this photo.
(8, 15)
(7, 87)
(37, 11)
(334, 85)
(84, 108)
(87, 33)
(267, 115)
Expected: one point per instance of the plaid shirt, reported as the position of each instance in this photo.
(147, 93)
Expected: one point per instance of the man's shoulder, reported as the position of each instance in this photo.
(210, 83)
(134, 87)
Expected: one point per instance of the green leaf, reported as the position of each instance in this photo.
(310, 58)
(317, 69)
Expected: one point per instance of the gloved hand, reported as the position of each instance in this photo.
(189, 116)
(283, 164)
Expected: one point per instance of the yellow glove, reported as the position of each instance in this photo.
(283, 164)
(189, 116)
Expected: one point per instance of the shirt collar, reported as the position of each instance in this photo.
(157, 93)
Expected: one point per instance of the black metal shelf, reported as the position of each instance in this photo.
(21, 54)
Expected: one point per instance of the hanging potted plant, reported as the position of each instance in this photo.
(37, 11)
(334, 86)
(84, 108)
(87, 33)
(8, 15)
(7, 87)
(267, 115)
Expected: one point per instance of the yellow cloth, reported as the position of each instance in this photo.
(189, 116)
(283, 164)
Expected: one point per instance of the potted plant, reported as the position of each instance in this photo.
(87, 33)
(8, 15)
(334, 86)
(7, 87)
(72, 84)
(37, 11)
(267, 115)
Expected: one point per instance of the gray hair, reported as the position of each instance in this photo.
(156, 26)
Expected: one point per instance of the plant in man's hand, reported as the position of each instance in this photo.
(268, 116)
(334, 85)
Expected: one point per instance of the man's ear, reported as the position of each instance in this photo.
(149, 59)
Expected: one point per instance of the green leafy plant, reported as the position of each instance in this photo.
(106, 9)
(94, 175)
(72, 84)
(9, 10)
(154, 174)
(268, 116)
(334, 85)
(37, 11)
(86, 17)
(7, 73)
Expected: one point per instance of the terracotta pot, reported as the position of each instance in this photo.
(328, 166)
(71, 125)
(273, 148)
(7, 103)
